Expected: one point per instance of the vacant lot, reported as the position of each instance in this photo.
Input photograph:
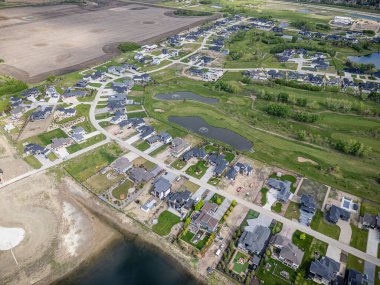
(315, 189)
(38, 41)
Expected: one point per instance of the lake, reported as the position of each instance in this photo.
(133, 263)
(373, 58)
(198, 125)
(186, 95)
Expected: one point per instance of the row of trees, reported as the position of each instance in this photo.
(353, 147)
(284, 111)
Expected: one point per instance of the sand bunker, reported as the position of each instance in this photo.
(10, 237)
(302, 160)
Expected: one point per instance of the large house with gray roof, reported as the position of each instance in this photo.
(254, 242)
(335, 213)
(286, 251)
(324, 270)
(161, 188)
(283, 188)
(205, 219)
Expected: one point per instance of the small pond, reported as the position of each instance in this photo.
(373, 58)
(304, 11)
(198, 125)
(283, 25)
(186, 95)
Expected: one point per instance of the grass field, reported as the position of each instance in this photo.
(239, 267)
(359, 238)
(200, 244)
(98, 183)
(45, 138)
(197, 170)
(165, 223)
(355, 175)
(122, 189)
(315, 189)
(79, 146)
(178, 164)
(319, 224)
(293, 211)
(32, 161)
(86, 165)
(355, 263)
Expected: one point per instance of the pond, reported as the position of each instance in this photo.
(373, 18)
(304, 11)
(132, 263)
(373, 58)
(198, 125)
(175, 96)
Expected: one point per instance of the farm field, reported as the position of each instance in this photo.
(29, 58)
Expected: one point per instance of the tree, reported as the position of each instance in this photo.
(218, 200)
(198, 205)
(302, 236)
(233, 203)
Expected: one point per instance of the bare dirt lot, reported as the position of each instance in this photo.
(59, 231)
(11, 164)
(40, 41)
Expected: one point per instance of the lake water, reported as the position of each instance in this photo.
(366, 17)
(201, 127)
(132, 263)
(373, 58)
(186, 95)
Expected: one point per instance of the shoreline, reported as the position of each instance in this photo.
(125, 229)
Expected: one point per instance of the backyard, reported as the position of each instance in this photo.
(319, 224)
(165, 223)
(197, 170)
(240, 262)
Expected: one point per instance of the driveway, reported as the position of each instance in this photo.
(345, 231)
(373, 242)
(209, 172)
(370, 270)
(153, 147)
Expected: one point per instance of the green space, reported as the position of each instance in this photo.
(159, 150)
(217, 199)
(293, 211)
(143, 146)
(200, 244)
(122, 190)
(250, 215)
(141, 114)
(128, 46)
(98, 183)
(192, 187)
(179, 164)
(44, 139)
(191, 13)
(264, 192)
(368, 207)
(321, 225)
(359, 238)
(355, 263)
(354, 174)
(286, 177)
(79, 146)
(102, 116)
(51, 156)
(214, 181)
(166, 221)
(272, 275)
(86, 165)
(32, 161)
(197, 170)
(277, 207)
(239, 267)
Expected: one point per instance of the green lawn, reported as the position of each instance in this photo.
(99, 183)
(293, 211)
(200, 244)
(143, 146)
(165, 223)
(250, 215)
(368, 207)
(264, 192)
(32, 161)
(277, 207)
(359, 238)
(355, 263)
(79, 146)
(273, 275)
(217, 199)
(321, 225)
(88, 164)
(45, 138)
(240, 267)
(197, 170)
(158, 150)
(178, 164)
(122, 189)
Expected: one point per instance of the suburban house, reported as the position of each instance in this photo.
(78, 134)
(165, 137)
(335, 213)
(254, 242)
(231, 173)
(283, 188)
(132, 122)
(179, 146)
(308, 209)
(353, 277)
(75, 93)
(139, 175)
(66, 112)
(177, 200)
(286, 251)
(34, 149)
(220, 164)
(57, 143)
(41, 114)
(196, 152)
(244, 168)
(324, 270)
(31, 93)
(205, 218)
(121, 165)
(119, 117)
(153, 139)
(150, 204)
(370, 221)
(17, 112)
(161, 188)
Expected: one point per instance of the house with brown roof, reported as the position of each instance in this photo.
(205, 219)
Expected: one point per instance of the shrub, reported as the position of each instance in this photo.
(278, 110)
